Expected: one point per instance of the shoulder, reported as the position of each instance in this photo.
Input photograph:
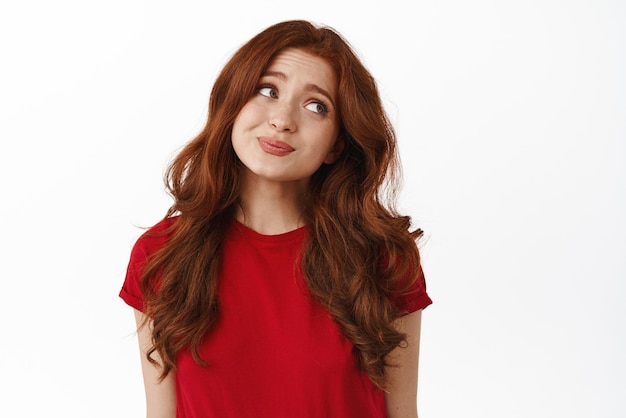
(159, 232)
(147, 244)
(153, 238)
(161, 228)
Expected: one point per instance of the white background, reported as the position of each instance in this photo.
(511, 122)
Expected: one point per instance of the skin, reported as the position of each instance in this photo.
(294, 106)
(160, 396)
(282, 135)
(401, 394)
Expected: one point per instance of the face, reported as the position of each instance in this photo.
(289, 128)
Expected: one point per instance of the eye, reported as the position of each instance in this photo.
(268, 91)
(317, 107)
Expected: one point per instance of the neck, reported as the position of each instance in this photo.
(270, 207)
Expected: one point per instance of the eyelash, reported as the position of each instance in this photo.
(265, 86)
(324, 107)
(316, 101)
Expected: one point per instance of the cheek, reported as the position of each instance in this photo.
(247, 115)
(331, 136)
(239, 120)
(242, 123)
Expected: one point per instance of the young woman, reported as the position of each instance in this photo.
(281, 283)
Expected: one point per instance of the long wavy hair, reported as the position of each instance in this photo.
(359, 252)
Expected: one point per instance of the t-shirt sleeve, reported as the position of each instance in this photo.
(147, 244)
(414, 298)
(131, 289)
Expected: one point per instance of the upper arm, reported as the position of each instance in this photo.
(160, 396)
(401, 374)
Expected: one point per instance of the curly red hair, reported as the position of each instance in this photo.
(359, 251)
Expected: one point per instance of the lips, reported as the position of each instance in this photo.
(274, 146)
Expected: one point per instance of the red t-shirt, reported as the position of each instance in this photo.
(274, 351)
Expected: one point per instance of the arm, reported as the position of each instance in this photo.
(401, 394)
(160, 397)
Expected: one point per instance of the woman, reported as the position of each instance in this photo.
(281, 283)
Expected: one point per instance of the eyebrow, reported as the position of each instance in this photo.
(307, 87)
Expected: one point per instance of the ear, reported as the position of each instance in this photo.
(335, 151)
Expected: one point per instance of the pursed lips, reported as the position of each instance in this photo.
(274, 146)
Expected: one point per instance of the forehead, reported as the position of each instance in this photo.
(299, 64)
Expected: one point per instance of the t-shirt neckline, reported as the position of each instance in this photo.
(288, 236)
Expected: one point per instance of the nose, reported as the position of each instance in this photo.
(282, 118)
